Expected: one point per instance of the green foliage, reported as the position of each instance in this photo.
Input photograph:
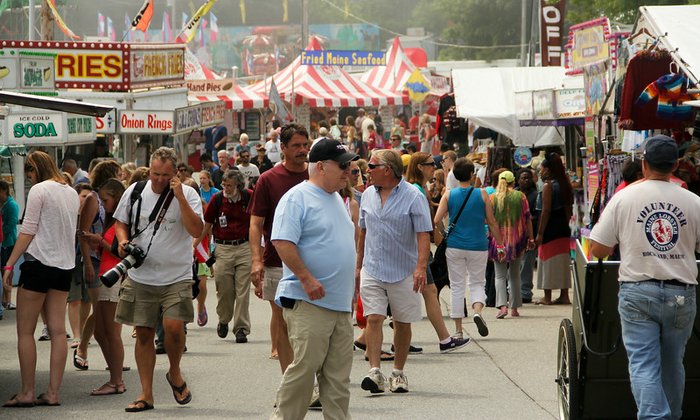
(623, 11)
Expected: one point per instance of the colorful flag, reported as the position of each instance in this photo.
(110, 30)
(250, 62)
(167, 31)
(190, 28)
(276, 105)
(100, 24)
(203, 27)
(277, 58)
(128, 36)
(59, 21)
(285, 11)
(185, 19)
(241, 4)
(418, 86)
(143, 18)
(213, 28)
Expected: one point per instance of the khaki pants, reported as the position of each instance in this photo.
(322, 342)
(232, 277)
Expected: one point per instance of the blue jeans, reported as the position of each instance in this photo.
(526, 270)
(657, 320)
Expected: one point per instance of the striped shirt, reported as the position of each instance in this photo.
(391, 247)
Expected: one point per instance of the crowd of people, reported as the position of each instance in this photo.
(264, 223)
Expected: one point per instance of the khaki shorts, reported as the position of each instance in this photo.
(109, 294)
(377, 295)
(271, 280)
(141, 305)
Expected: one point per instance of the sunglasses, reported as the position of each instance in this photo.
(375, 165)
(28, 168)
(427, 164)
(355, 171)
(344, 165)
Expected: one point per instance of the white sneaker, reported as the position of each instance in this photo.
(45, 334)
(374, 381)
(398, 383)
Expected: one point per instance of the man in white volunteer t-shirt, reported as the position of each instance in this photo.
(162, 286)
(657, 225)
(273, 148)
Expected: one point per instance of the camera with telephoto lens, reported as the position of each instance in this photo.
(134, 259)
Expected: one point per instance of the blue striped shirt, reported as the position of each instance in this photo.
(391, 247)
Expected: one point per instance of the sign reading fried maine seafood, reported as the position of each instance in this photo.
(146, 122)
(342, 58)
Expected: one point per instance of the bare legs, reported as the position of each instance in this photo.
(284, 349)
(108, 336)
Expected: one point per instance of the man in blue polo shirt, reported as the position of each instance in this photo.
(316, 292)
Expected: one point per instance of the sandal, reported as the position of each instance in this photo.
(80, 363)
(542, 302)
(361, 346)
(109, 389)
(202, 318)
(139, 405)
(179, 390)
(384, 357)
(559, 301)
(75, 344)
(16, 403)
(42, 400)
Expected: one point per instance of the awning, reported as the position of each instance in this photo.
(239, 97)
(325, 86)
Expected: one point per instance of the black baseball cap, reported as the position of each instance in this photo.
(327, 149)
(661, 151)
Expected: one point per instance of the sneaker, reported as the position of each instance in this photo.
(160, 348)
(458, 334)
(398, 383)
(454, 344)
(481, 325)
(222, 330)
(45, 334)
(374, 382)
(315, 399)
(241, 337)
(411, 349)
(9, 306)
(502, 312)
(514, 313)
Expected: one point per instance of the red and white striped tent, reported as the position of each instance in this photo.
(395, 74)
(239, 97)
(325, 86)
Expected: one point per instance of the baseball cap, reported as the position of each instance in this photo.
(661, 151)
(327, 149)
(508, 176)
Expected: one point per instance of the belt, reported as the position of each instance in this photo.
(230, 242)
(669, 283)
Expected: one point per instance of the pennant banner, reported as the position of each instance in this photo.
(190, 28)
(100, 24)
(143, 19)
(213, 28)
(110, 30)
(59, 21)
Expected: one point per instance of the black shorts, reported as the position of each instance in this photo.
(38, 277)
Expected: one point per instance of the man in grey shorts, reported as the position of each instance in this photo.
(162, 285)
(392, 256)
(266, 269)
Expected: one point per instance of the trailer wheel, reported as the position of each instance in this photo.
(567, 373)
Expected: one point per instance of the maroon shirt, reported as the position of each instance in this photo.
(269, 189)
(237, 218)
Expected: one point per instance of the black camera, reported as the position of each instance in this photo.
(134, 259)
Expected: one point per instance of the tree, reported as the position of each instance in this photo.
(622, 11)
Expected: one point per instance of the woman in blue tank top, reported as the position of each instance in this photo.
(467, 244)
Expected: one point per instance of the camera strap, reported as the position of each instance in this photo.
(160, 204)
(163, 203)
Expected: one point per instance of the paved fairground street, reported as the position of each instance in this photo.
(507, 375)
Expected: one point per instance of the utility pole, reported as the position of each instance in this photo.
(46, 21)
(523, 33)
(304, 24)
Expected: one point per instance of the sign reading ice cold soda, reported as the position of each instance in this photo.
(46, 128)
(146, 122)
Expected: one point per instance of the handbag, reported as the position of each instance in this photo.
(439, 265)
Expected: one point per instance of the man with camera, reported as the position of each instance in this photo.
(156, 231)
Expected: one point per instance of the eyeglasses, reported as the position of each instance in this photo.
(375, 165)
(355, 171)
(28, 168)
(427, 164)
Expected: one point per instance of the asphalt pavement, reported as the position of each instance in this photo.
(507, 375)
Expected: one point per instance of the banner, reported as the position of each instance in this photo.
(342, 58)
(213, 28)
(59, 21)
(100, 24)
(552, 14)
(143, 18)
(241, 4)
(167, 31)
(128, 36)
(110, 30)
(285, 11)
(276, 105)
(190, 28)
(418, 87)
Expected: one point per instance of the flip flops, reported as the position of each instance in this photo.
(179, 390)
(109, 389)
(41, 400)
(138, 406)
(384, 357)
(80, 363)
(15, 403)
(202, 318)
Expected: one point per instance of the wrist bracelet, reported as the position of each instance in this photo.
(8, 268)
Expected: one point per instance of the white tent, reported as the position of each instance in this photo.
(486, 96)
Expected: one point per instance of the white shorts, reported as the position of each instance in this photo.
(377, 296)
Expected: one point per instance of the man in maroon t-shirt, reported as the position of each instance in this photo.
(227, 218)
(266, 270)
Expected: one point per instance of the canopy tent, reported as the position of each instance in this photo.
(324, 86)
(238, 97)
(678, 32)
(486, 96)
(395, 74)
